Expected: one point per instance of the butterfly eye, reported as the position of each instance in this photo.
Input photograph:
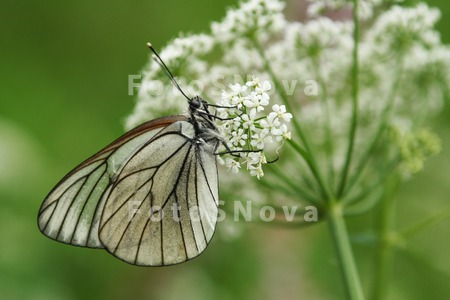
(196, 103)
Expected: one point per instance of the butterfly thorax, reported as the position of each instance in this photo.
(203, 122)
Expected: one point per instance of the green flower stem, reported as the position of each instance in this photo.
(425, 223)
(329, 147)
(367, 154)
(306, 153)
(278, 85)
(299, 149)
(355, 100)
(382, 179)
(326, 192)
(385, 241)
(344, 251)
(294, 187)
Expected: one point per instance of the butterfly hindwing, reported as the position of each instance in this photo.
(163, 207)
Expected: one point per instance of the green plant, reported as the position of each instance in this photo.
(359, 90)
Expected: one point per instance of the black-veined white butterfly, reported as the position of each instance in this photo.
(150, 198)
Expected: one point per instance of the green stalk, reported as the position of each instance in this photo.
(305, 152)
(326, 193)
(425, 223)
(382, 125)
(344, 251)
(377, 183)
(355, 91)
(295, 187)
(329, 147)
(383, 250)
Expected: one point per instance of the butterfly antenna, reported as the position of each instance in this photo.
(166, 70)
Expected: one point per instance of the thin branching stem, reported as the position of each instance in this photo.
(310, 160)
(382, 125)
(305, 152)
(292, 185)
(329, 147)
(382, 179)
(384, 233)
(355, 100)
(425, 223)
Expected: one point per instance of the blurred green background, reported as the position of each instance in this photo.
(64, 95)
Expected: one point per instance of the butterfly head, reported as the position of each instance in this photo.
(197, 103)
(198, 109)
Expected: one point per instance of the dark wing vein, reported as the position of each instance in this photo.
(147, 143)
(188, 181)
(85, 203)
(148, 168)
(140, 241)
(173, 192)
(57, 201)
(145, 182)
(43, 209)
(125, 202)
(207, 181)
(196, 195)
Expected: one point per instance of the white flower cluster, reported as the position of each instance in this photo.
(405, 29)
(247, 127)
(366, 7)
(253, 15)
(403, 69)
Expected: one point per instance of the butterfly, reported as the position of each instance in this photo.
(150, 198)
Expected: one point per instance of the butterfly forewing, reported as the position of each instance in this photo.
(163, 207)
(71, 212)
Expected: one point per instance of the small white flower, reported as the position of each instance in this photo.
(253, 158)
(232, 165)
(234, 97)
(251, 101)
(254, 82)
(272, 123)
(263, 88)
(260, 139)
(256, 171)
(249, 120)
(238, 89)
(281, 112)
(236, 122)
(226, 98)
(238, 137)
(285, 134)
(264, 99)
(257, 101)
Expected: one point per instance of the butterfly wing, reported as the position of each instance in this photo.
(71, 212)
(163, 207)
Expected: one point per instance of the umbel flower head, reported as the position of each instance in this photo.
(404, 72)
(248, 126)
